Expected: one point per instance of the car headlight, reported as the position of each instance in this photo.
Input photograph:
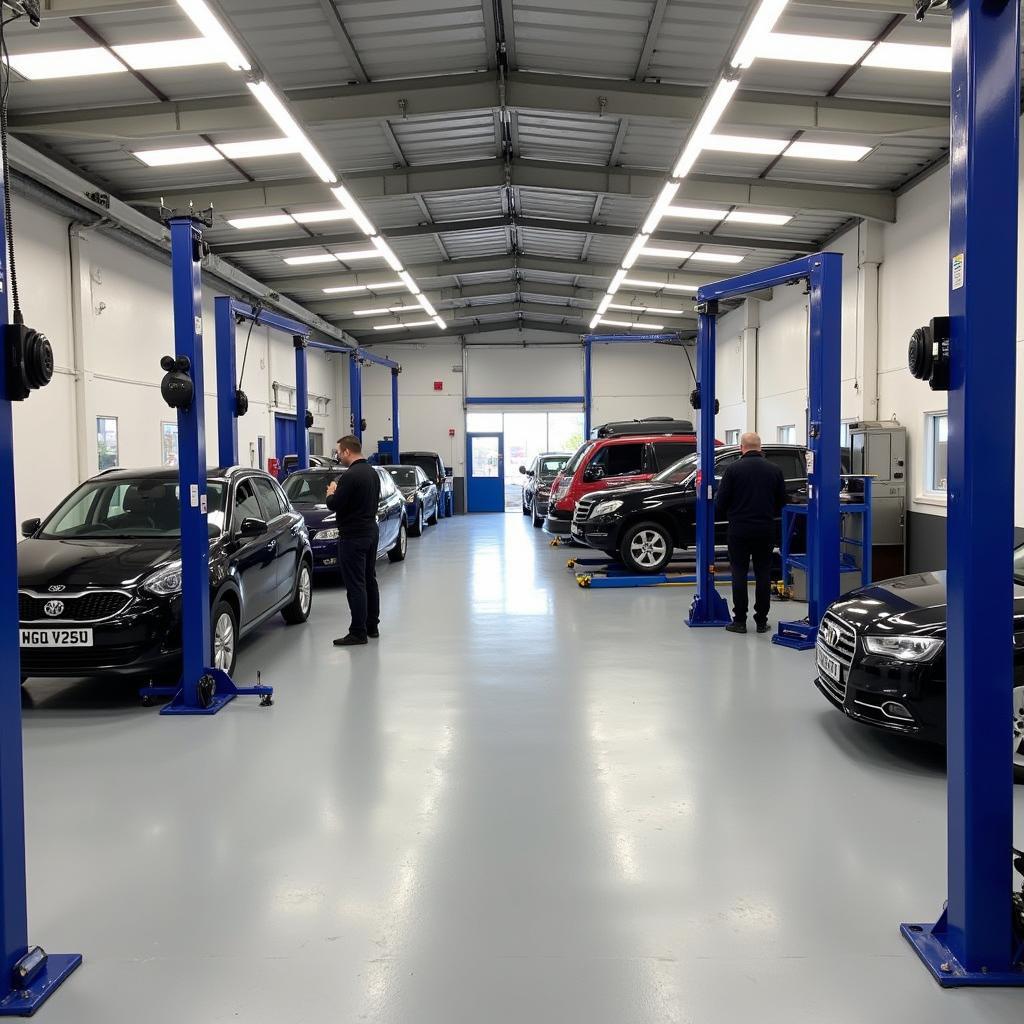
(904, 648)
(165, 581)
(603, 508)
(331, 534)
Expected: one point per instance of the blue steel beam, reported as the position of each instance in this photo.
(395, 442)
(973, 943)
(301, 402)
(355, 393)
(227, 380)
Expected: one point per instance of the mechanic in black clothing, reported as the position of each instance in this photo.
(354, 500)
(750, 497)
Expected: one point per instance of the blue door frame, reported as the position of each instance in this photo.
(485, 493)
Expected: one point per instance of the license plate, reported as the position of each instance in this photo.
(56, 638)
(829, 666)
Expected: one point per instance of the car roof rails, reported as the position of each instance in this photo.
(649, 425)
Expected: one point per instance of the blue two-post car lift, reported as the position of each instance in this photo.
(824, 274)
(358, 359)
(976, 940)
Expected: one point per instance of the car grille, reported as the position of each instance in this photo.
(838, 639)
(583, 507)
(39, 661)
(91, 606)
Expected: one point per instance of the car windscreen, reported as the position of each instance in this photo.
(404, 476)
(310, 488)
(575, 462)
(548, 469)
(678, 471)
(1018, 565)
(128, 509)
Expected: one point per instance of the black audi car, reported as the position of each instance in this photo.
(642, 525)
(881, 657)
(420, 494)
(99, 580)
(537, 485)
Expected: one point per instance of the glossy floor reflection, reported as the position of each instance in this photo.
(526, 804)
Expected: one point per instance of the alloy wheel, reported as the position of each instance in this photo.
(403, 539)
(224, 642)
(1018, 727)
(648, 548)
(305, 589)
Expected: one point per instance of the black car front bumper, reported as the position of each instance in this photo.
(557, 522)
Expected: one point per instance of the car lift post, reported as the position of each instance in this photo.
(204, 690)
(30, 975)
(228, 312)
(355, 394)
(824, 274)
(358, 357)
(973, 942)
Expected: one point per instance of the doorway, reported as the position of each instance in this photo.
(484, 487)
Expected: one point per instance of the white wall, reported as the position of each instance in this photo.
(635, 381)
(126, 326)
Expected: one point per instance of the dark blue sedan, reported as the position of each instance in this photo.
(420, 494)
(307, 491)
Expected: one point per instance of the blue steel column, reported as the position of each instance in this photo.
(355, 393)
(823, 397)
(301, 402)
(972, 944)
(396, 447)
(709, 608)
(588, 385)
(227, 381)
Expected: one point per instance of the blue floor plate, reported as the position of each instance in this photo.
(944, 966)
(25, 1002)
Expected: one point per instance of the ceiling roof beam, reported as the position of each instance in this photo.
(653, 28)
(86, 8)
(344, 40)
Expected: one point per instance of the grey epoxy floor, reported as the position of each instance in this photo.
(527, 804)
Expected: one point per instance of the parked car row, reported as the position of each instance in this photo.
(100, 578)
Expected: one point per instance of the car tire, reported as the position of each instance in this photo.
(435, 515)
(416, 528)
(397, 553)
(526, 507)
(538, 520)
(646, 548)
(1018, 734)
(302, 600)
(223, 636)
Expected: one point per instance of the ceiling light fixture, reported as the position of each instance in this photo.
(274, 106)
(660, 207)
(637, 282)
(758, 30)
(694, 213)
(427, 306)
(409, 283)
(827, 151)
(402, 327)
(604, 305)
(634, 251)
(346, 289)
(349, 204)
(357, 254)
(440, 323)
(174, 53)
(645, 309)
(305, 261)
(745, 144)
(659, 253)
(620, 276)
(386, 253)
(812, 49)
(177, 156)
(258, 147)
(595, 321)
(705, 126)
(716, 257)
(632, 324)
(209, 24)
(93, 60)
(386, 309)
(317, 216)
(274, 220)
(910, 57)
(749, 217)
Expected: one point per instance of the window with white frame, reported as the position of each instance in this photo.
(844, 433)
(787, 434)
(936, 438)
(732, 437)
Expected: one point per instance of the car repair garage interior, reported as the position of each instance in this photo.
(677, 343)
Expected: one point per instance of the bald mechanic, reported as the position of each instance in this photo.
(750, 497)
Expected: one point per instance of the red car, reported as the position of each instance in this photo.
(619, 454)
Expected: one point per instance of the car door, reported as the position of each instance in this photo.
(389, 512)
(722, 525)
(254, 557)
(427, 492)
(614, 465)
(281, 533)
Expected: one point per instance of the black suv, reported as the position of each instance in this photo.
(642, 525)
(433, 465)
(99, 581)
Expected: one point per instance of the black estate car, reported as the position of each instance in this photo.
(99, 580)
(881, 656)
(642, 525)
(537, 485)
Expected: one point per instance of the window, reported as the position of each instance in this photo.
(269, 499)
(721, 463)
(787, 434)
(844, 433)
(106, 442)
(316, 442)
(620, 459)
(387, 485)
(792, 464)
(484, 422)
(732, 437)
(668, 452)
(168, 444)
(936, 437)
(246, 505)
(484, 456)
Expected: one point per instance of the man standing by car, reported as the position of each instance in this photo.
(750, 497)
(354, 499)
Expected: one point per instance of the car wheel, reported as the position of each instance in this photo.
(538, 520)
(526, 506)
(1018, 733)
(397, 553)
(302, 603)
(646, 548)
(224, 636)
(416, 529)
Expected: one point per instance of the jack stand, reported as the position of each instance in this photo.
(798, 636)
(215, 690)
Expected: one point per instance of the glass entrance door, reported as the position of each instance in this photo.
(485, 488)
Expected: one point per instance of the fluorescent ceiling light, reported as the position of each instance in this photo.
(427, 307)
(634, 324)
(273, 105)
(760, 28)
(174, 53)
(637, 282)
(358, 254)
(406, 279)
(910, 57)
(440, 323)
(179, 155)
(346, 289)
(620, 276)
(645, 309)
(661, 204)
(595, 321)
(812, 49)
(93, 60)
(656, 252)
(604, 305)
(386, 309)
(716, 257)
(705, 125)
(749, 217)
(827, 151)
(258, 147)
(694, 213)
(349, 203)
(401, 327)
(209, 24)
(634, 250)
(273, 220)
(305, 261)
(386, 253)
(317, 216)
(745, 144)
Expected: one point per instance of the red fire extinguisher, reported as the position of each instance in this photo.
(273, 467)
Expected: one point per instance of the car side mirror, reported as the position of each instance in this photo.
(30, 527)
(522, 469)
(252, 527)
(593, 473)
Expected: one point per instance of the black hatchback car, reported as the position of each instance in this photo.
(537, 485)
(99, 580)
(642, 525)
(881, 656)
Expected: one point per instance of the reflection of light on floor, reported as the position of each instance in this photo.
(504, 579)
